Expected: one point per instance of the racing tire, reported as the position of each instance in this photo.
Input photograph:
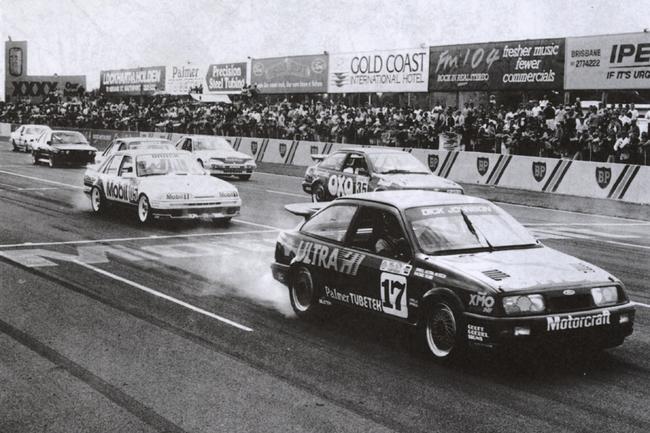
(51, 161)
(318, 193)
(144, 209)
(245, 177)
(441, 332)
(200, 163)
(303, 293)
(97, 200)
(14, 148)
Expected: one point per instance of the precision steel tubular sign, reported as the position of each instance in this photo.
(295, 74)
(512, 65)
(135, 81)
(225, 78)
(608, 62)
(405, 70)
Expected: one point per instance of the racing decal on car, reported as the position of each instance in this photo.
(423, 273)
(346, 262)
(603, 176)
(539, 170)
(482, 165)
(562, 323)
(340, 185)
(393, 294)
(354, 299)
(482, 301)
(122, 191)
(395, 267)
(476, 333)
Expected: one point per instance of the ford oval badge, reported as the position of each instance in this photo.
(569, 292)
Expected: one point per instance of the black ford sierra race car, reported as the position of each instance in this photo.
(365, 169)
(459, 268)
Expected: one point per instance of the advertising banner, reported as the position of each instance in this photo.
(225, 78)
(135, 81)
(37, 87)
(608, 62)
(180, 79)
(295, 74)
(513, 65)
(405, 70)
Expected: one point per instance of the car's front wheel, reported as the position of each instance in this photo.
(144, 209)
(97, 200)
(318, 193)
(303, 293)
(442, 331)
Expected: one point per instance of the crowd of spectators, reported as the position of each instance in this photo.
(537, 128)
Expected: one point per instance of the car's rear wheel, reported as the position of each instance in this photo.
(318, 193)
(442, 331)
(303, 293)
(245, 177)
(144, 209)
(97, 200)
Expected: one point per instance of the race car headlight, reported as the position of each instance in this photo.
(250, 162)
(454, 191)
(231, 194)
(605, 295)
(523, 304)
(217, 161)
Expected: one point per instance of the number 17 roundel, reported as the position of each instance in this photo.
(393, 294)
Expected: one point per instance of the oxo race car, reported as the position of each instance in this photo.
(160, 184)
(364, 169)
(459, 268)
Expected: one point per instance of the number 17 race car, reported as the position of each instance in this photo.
(160, 184)
(460, 269)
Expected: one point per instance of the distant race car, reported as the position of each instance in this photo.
(217, 156)
(23, 137)
(355, 170)
(57, 147)
(160, 184)
(132, 143)
(459, 268)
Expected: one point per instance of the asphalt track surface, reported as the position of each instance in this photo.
(107, 325)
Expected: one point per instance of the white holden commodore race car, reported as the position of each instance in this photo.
(25, 136)
(217, 156)
(160, 184)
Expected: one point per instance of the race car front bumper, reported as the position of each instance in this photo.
(231, 170)
(280, 272)
(307, 186)
(167, 210)
(603, 326)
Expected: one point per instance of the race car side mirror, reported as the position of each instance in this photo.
(48, 142)
(402, 250)
(362, 172)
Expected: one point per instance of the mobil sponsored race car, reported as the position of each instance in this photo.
(216, 155)
(160, 184)
(364, 169)
(459, 268)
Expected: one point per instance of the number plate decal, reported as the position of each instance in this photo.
(393, 294)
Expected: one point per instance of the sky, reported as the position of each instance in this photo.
(83, 37)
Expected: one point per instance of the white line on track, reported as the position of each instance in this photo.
(566, 211)
(278, 175)
(625, 244)
(293, 194)
(53, 182)
(164, 296)
(138, 238)
(640, 304)
(586, 224)
(264, 226)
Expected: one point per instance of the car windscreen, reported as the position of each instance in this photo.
(65, 137)
(157, 145)
(454, 228)
(161, 164)
(394, 163)
(211, 144)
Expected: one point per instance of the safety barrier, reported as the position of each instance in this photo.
(623, 182)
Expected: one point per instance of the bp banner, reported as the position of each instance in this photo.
(295, 74)
(513, 65)
(225, 78)
(181, 78)
(405, 70)
(136, 81)
(608, 62)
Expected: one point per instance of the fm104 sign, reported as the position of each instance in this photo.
(136, 81)
(516, 65)
(405, 70)
(608, 62)
(225, 78)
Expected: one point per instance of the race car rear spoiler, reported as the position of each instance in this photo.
(318, 157)
(305, 210)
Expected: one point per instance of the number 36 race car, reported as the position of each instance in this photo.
(459, 268)
(364, 169)
(160, 184)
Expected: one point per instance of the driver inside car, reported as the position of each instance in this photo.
(387, 234)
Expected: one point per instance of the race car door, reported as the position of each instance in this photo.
(353, 177)
(382, 282)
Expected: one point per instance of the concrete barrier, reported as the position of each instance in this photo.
(624, 182)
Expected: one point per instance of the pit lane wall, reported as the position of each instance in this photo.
(623, 182)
